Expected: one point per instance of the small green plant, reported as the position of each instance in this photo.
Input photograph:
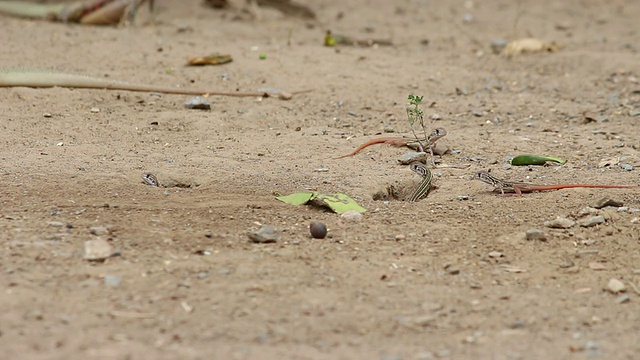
(416, 114)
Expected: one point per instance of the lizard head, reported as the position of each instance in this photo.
(485, 177)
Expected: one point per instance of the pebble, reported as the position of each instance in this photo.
(318, 230)
(98, 230)
(400, 237)
(440, 149)
(559, 223)
(497, 45)
(495, 254)
(97, 249)
(55, 223)
(627, 167)
(389, 129)
(591, 221)
(605, 201)
(266, 234)
(535, 234)
(198, 103)
(351, 216)
(623, 299)
(112, 280)
(411, 156)
(616, 286)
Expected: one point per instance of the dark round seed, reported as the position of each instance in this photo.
(318, 230)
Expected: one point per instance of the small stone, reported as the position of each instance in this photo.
(626, 167)
(586, 212)
(440, 149)
(95, 110)
(616, 286)
(97, 249)
(198, 103)
(623, 299)
(112, 280)
(98, 230)
(497, 45)
(605, 201)
(400, 237)
(411, 156)
(318, 230)
(536, 234)
(265, 235)
(559, 223)
(495, 254)
(389, 129)
(55, 223)
(351, 216)
(451, 269)
(591, 221)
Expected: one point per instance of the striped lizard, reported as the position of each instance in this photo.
(50, 78)
(504, 186)
(425, 185)
(412, 143)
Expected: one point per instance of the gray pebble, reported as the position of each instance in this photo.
(591, 221)
(559, 223)
(603, 202)
(98, 230)
(198, 103)
(623, 299)
(627, 167)
(411, 156)
(97, 249)
(497, 45)
(616, 286)
(440, 149)
(389, 129)
(112, 280)
(536, 234)
(265, 235)
(351, 216)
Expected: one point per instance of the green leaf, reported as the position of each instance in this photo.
(297, 198)
(340, 203)
(527, 159)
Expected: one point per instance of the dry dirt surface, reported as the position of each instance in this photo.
(450, 277)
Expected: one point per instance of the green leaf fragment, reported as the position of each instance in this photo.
(527, 159)
(297, 198)
(339, 202)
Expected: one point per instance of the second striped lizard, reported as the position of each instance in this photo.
(412, 143)
(505, 186)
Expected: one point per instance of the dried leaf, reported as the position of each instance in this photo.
(213, 59)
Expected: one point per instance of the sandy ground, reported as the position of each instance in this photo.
(450, 277)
